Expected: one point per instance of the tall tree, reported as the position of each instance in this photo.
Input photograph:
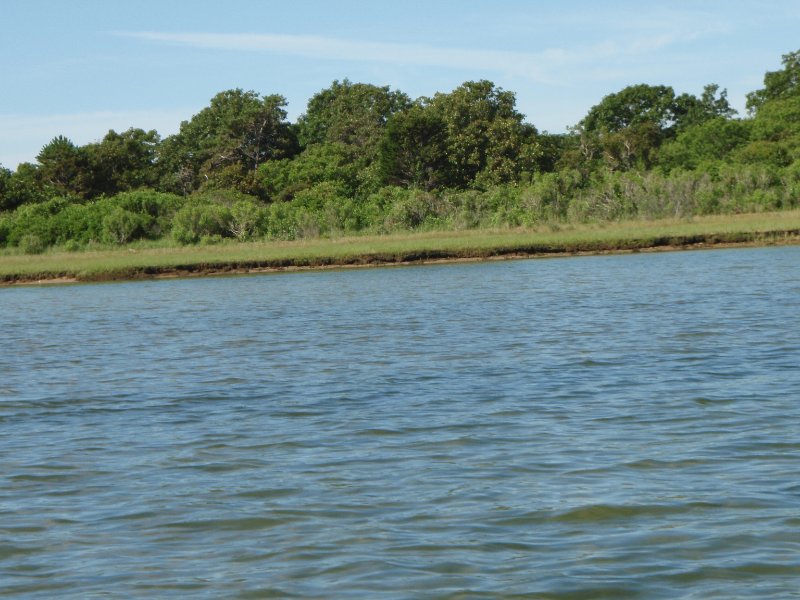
(353, 114)
(775, 133)
(713, 103)
(65, 167)
(626, 128)
(778, 84)
(487, 139)
(632, 106)
(5, 180)
(413, 152)
(237, 133)
(125, 161)
(24, 186)
(709, 141)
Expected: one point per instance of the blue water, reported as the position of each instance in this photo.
(597, 427)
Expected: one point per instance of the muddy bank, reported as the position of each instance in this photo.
(379, 259)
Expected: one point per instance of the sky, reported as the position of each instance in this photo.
(81, 67)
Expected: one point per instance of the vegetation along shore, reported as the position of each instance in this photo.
(144, 261)
(366, 175)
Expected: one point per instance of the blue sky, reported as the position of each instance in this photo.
(81, 67)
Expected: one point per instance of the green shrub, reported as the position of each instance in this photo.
(148, 202)
(409, 212)
(224, 197)
(246, 219)
(30, 243)
(160, 208)
(280, 222)
(283, 179)
(210, 240)
(80, 222)
(121, 226)
(195, 221)
(36, 220)
(763, 152)
(322, 209)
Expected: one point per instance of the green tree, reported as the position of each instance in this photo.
(5, 180)
(634, 146)
(707, 141)
(125, 161)
(626, 128)
(713, 103)
(778, 120)
(237, 133)
(634, 105)
(775, 133)
(777, 84)
(65, 167)
(353, 117)
(413, 152)
(353, 114)
(552, 149)
(487, 140)
(330, 161)
(24, 186)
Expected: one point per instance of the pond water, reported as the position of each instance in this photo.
(596, 427)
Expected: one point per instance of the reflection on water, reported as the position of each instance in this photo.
(603, 427)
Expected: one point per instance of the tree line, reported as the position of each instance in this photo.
(369, 158)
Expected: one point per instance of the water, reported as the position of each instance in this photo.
(601, 427)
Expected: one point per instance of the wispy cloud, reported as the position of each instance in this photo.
(544, 66)
(327, 48)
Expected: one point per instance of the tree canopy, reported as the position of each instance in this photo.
(353, 114)
(781, 84)
(364, 155)
(228, 140)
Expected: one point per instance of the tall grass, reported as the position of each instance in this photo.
(151, 259)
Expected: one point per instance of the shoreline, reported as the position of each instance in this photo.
(422, 257)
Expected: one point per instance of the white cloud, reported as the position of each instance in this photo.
(327, 48)
(23, 136)
(545, 66)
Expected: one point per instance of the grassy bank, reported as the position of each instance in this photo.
(142, 262)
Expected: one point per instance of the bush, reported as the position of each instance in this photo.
(158, 206)
(280, 222)
(224, 197)
(121, 226)
(283, 179)
(411, 211)
(246, 219)
(148, 202)
(763, 152)
(80, 222)
(196, 221)
(30, 243)
(322, 209)
(36, 220)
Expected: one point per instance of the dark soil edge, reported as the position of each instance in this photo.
(201, 269)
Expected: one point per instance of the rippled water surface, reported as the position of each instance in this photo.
(600, 427)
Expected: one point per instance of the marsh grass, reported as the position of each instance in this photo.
(153, 259)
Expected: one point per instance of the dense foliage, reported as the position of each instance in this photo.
(364, 158)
